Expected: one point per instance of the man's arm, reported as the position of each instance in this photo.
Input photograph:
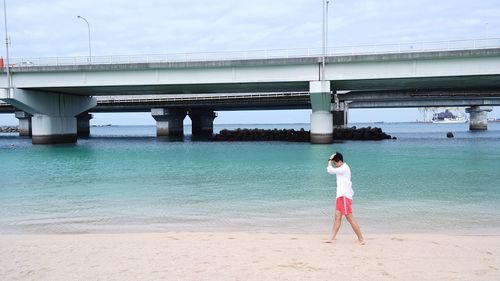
(334, 171)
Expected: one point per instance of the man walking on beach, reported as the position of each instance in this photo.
(344, 196)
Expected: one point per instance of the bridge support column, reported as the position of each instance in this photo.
(321, 117)
(53, 129)
(83, 124)
(24, 123)
(202, 122)
(169, 121)
(339, 113)
(53, 118)
(478, 117)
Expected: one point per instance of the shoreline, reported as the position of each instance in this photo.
(345, 230)
(247, 256)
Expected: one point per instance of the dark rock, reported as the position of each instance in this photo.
(354, 133)
(262, 135)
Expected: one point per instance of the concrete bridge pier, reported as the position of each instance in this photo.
(202, 122)
(169, 121)
(321, 117)
(339, 113)
(24, 123)
(53, 120)
(478, 117)
(83, 124)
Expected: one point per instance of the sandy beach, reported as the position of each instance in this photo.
(247, 256)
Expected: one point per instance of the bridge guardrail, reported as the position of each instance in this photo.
(263, 54)
(108, 99)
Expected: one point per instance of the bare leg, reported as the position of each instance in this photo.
(355, 227)
(336, 226)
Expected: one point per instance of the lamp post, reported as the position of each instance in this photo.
(90, 46)
(326, 32)
(487, 34)
(325, 37)
(324, 43)
(9, 84)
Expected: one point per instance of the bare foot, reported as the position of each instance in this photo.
(330, 241)
(361, 242)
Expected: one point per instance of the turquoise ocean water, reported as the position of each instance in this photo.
(124, 179)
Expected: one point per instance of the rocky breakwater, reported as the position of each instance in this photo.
(263, 135)
(354, 133)
(9, 129)
(301, 135)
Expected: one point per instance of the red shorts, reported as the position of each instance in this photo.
(342, 204)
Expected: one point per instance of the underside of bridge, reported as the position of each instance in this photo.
(470, 82)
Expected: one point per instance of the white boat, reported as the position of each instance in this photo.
(450, 120)
(447, 117)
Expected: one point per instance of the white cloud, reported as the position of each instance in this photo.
(50, 27)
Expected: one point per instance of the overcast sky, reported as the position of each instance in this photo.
(120, 27)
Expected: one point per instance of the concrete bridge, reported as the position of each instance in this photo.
(56, 90)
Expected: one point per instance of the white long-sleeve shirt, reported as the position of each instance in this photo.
(344, 184)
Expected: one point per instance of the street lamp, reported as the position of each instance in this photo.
(326, 32)
(7, 50)
(324, 43)
(90, 47)
(325, 37)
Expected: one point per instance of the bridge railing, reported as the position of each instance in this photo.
(200, 97)
(263, 54)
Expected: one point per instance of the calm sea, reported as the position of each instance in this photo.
(124, 179)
